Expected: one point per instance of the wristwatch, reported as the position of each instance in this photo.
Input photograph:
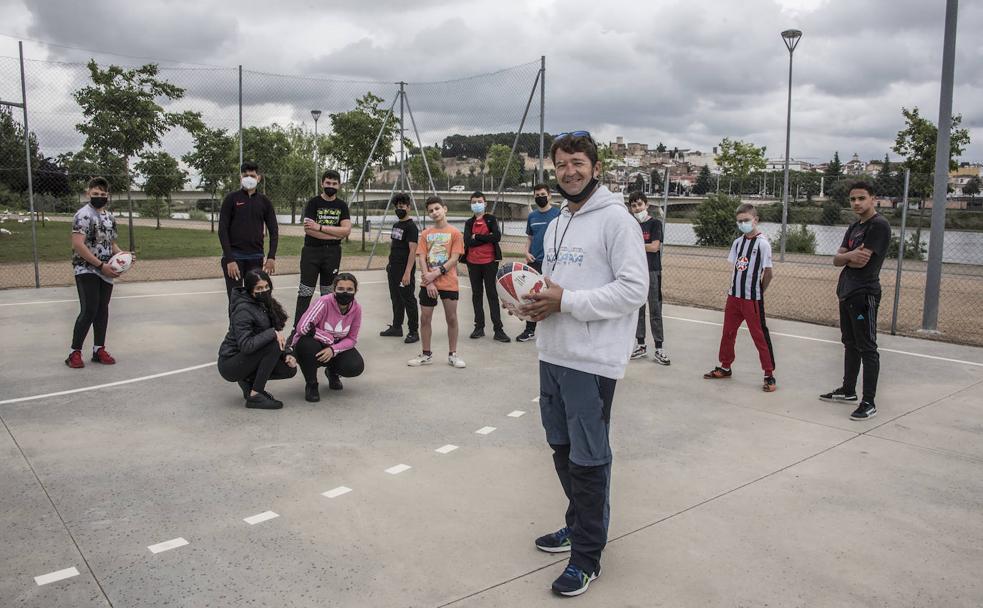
(442, 269)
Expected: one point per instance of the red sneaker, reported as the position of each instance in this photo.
(103, 356)
(74, 360)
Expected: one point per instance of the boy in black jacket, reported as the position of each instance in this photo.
(482, 254)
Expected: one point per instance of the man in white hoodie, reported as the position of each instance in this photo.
(597, 278)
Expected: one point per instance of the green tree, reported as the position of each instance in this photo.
(835, 168)
(123, 115)
(885, 182)
(418, 171)
(214, 158)
(703, 182)
(661, 148)
(715, 224)
(162, 176)
(916, 145)
(300, 174)
(638, 183)
(830, 215)
(972, 187)
(354, 132)
(13, 171)
(88, 163)
(738, 159)
(498, 157)
(656, 179)
(268, 147)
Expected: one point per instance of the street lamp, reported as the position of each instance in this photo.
(315, 114)
(791, 39)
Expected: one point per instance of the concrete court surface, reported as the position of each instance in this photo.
(721, 495)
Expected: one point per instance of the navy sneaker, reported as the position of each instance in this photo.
(865, 411)
(574, 581)
(555, 542)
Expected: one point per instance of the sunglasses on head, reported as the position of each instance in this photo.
(560, 136)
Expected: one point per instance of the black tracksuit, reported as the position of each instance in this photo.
(240, 231)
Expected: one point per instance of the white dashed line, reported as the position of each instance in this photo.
(335, 493)
(446, 449)
(485, 430)
(54, 577)
(258, 519)
(399, 468)
(167, 545)
(516, 414)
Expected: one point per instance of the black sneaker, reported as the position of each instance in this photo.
(839, 395)
(246, 386)
(554, 542)
(311, 393)
(501, 337)
(479, 332)
(526, 336)
(574, 581)
(392, 332)
(412, 337)
(865, 411)
(334, 382)
(263, 401)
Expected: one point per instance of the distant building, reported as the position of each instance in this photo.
(778, 164)
(855, 166)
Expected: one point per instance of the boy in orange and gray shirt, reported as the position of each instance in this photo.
(438, 252)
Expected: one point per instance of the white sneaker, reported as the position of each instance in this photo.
(456, 361)
(421, 359)
(661, 357)
(639, 352)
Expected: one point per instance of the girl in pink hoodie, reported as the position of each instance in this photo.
(326, 337)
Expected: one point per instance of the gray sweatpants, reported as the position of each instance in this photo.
(655, 311)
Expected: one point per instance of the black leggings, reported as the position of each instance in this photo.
(483, 280)
(258, 367)
(94, 294)
(315, 262)
(347, 363)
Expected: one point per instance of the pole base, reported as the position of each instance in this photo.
(929, 333)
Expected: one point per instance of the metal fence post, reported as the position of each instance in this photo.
(901, 244)
(30, 169)
(542, 114)
(240, 115)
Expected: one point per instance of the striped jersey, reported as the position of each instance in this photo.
(750, 257)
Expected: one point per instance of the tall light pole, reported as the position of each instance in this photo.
(315, 114)
(791, 39)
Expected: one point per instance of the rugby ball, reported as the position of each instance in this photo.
(121, 261)
(514, 282)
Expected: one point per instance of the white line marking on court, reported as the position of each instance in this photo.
(335, 493)
(167, 545)
(153, 295)
(485, 430)
(399, 468)
(107, 385)
(536, 400)
(54, 577)
(516, 414)
(446, 449)
(826, 341)
(258, 519)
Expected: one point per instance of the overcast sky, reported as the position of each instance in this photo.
(683, 72)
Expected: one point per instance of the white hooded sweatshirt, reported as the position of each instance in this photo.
(597, 256)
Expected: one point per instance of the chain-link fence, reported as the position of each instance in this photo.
(182, 127)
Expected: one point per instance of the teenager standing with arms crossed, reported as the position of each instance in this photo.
(327, 221)
(483, 253)
(597, 280)
(241, 220)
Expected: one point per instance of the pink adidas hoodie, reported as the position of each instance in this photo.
(331, 327)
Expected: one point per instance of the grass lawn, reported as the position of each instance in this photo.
(54, 243)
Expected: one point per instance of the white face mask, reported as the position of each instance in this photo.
(641, 215)
(745, 227)
(249, 182)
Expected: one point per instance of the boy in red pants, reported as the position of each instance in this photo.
(750, 255)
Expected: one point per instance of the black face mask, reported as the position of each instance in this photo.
(344, 298)
(584, 194)
(401, 214)
(98, 201)
(542, 201)
(265, 298)
(329, 192)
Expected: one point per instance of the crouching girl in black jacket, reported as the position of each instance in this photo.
(254, 349)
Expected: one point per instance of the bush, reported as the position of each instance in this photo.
(715, 225)
(770, 213)
(197, 215)
(800, 240)
(913, 249)
(830, 215)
